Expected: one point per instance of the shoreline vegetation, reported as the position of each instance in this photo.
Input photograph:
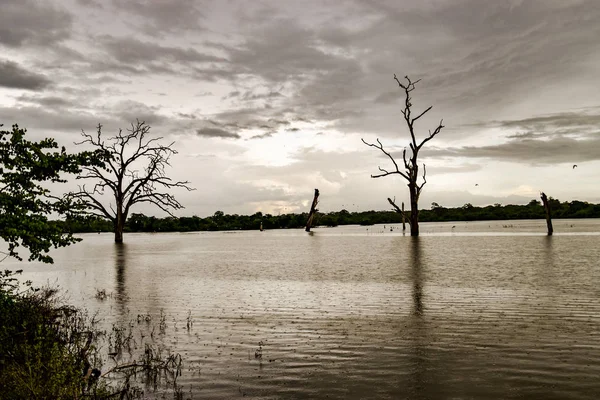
(220, 221)
(51, 350)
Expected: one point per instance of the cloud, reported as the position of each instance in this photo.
(13, 76)
(263, 135)
(510, 80)
(540, 139)
(163, 16)
(130, 111)
(132, 55)
(30, 22)
(529, 151)
(46, 101)
(41, 118)
(249, 96)
(213, 132)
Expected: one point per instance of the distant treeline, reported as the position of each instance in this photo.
(437, 213)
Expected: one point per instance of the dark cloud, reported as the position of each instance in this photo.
(42, 118)
(257, 96)
(30, 22)
(562, 122)
(232, 94)
(250, 95)
(267, 120)
(136, 56)
(130, 111)
(91, 3)
(529, 151)
(132, 51)
(46, 101)
(13, 76)
(389, 97)
(163, 16)
(263, 135)
(213, 132)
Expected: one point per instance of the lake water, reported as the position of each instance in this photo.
(473, 310)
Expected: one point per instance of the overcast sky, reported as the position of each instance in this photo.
(267, 100)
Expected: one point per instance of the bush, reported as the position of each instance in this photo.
(49, 350)
(44, 346)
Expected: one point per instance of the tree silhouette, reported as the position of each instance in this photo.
(125, 153)
(411, 167)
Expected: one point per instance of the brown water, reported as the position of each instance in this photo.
(482, 310)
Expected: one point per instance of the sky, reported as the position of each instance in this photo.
(268, 100)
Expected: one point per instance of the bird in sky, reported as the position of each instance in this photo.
(574, 166)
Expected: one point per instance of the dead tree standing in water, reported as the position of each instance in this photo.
(134, 173)
(548, 215)
(313, 211)
(411, 167)
(403, 218)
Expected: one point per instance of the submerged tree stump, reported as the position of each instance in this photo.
(548, 215)
(313, 211)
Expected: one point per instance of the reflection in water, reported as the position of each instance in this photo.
(120, 257)
(419, 335)
(546, 269)
(549, 252)
(416, 275)
(349, 314)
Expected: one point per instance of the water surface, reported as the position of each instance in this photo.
(471, 310)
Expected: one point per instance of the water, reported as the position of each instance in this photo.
(472, 310)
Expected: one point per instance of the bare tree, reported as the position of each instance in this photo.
(125, 153)
(411, 167)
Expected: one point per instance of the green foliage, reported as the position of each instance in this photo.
(25, 203)
(221, 221)
(52, 351)
(41, 344)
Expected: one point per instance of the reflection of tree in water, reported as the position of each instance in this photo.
(546, 270)
(419, 363)
(548, 252)
(120, 255)
(416, 276)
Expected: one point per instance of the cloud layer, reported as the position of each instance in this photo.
(282, 92)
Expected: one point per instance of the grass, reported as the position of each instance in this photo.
(49, 350)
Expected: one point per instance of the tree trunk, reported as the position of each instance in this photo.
(403, 218)
(313, 210)
(119, 225)
(414, 211)
(548, 215)
(119, 233)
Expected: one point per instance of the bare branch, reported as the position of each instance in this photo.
(411, 166)
(91, 201)
(398, 209)
(432, 135)
(420, 115)
(128, 183)
(424, 181)
(385, 173)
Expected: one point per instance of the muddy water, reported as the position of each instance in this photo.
(466, 311)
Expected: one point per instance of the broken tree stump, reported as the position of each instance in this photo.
(313, 211)
(548, 215)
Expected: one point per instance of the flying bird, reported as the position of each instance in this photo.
(574, 166)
